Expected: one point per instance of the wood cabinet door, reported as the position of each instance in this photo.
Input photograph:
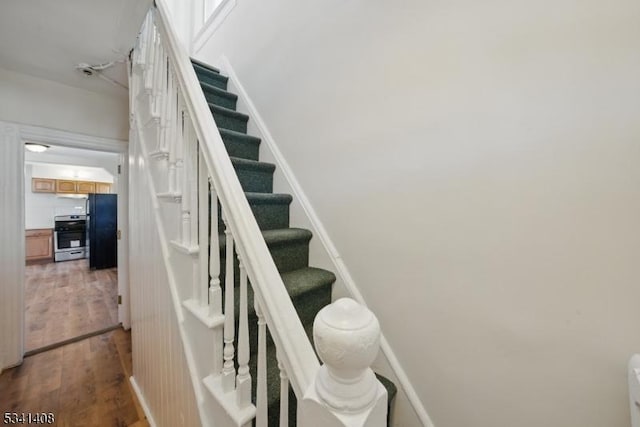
(85, 187)
(43, 185)
(39, 244)
(103, 187)
(65, 186)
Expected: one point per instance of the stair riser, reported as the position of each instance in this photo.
(306, 309)
(256, 181)
(268, 217)
(203, 69)
(286, 257)
(239, 124)
(219, 100)
(241, 148)
(211, 78)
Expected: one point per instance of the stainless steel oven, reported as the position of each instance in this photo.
(70, 237)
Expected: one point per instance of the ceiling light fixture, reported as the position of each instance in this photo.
(35, 147)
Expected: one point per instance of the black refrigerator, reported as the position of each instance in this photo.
(102, 225)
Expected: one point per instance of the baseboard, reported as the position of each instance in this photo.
(320, 231)
(142, 401)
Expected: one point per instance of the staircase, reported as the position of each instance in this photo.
(249, 308)
(308, 287)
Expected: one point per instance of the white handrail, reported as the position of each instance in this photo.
(295, 350)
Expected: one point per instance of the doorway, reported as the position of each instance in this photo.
(72, 288)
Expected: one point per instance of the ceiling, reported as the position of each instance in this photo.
(47, 39)
(74, 160)
(68, 152)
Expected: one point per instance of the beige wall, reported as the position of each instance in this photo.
(477, 165)
(31, 100)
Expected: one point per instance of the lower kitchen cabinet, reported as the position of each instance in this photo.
(39, 244)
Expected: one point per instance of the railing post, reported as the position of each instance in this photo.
(345, 391)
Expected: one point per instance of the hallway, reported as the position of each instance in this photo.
(64, 300)
(83, 384)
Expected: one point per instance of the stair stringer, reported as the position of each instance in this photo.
(322, 251)
(198, 337)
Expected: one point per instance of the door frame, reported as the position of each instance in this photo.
(76, 140)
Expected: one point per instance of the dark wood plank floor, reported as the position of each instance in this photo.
(83, 384)
(65, 299)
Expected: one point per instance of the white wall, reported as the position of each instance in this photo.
(31, 100)
(476, 165)
(160, 369)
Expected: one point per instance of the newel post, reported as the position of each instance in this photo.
(345, 391)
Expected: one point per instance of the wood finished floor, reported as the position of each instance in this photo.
(83, 384)
(65, 299)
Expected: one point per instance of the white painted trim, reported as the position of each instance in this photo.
(202, 313)
(187, 250)
(25, 132)
(143, 402)
(212, 24)
(320, 231)
(229, 401)
(71, 139)
(12, 252)
(122, 180)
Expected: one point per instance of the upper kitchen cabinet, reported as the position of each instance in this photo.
(66, 186)
(43, 185)
(103, 187)
(86, 187)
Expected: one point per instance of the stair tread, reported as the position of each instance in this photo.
(221, 92)
(279, 236)
(236, 134)
(297, 282)
(268, 198)
(227, 111)
(304, 279)
(206, 72)
(286, 235)
(252, 164)
(203, 65)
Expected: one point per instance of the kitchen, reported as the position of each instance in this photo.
(71, 244)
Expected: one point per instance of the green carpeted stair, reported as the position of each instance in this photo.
(308, 287)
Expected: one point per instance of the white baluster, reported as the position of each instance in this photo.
(157, 77)
(179, 145)
(261, 391)
(172, 132)
(164, 109)
(215, 292)
(148, 72)
(229, 369)
(139, 51)
(193, 180)
(284, 394)
(186, 172)
(243, 381)
(162, 82)
(203, 230)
